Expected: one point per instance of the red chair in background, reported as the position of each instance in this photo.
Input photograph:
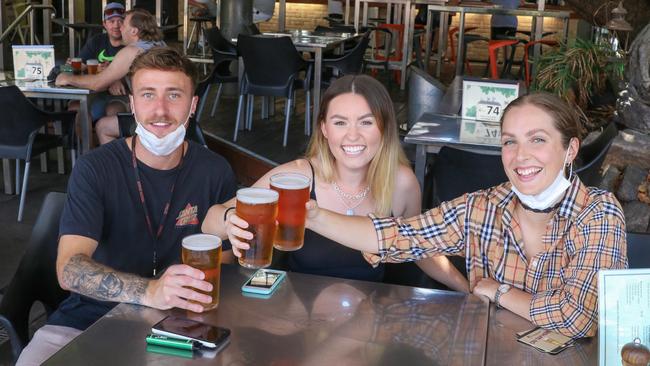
(547, 42)
(493, 47)
(397, 32)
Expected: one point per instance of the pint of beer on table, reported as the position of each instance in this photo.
(259, 208)
(293, 189)
(203, 252)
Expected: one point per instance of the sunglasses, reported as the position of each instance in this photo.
(111, 12)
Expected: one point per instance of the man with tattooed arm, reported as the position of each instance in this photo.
(130, 202)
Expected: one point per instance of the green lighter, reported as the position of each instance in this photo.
(170, 351)
(160, 340)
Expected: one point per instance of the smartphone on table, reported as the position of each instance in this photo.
(264, 281)
(207, 335)
(545, 340)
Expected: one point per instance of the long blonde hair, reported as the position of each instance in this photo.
(382, 171)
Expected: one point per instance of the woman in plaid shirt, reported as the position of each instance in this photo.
(533, 245)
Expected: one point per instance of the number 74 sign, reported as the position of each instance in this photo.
(486, 100)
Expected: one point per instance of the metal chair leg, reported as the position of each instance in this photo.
(204, 97)
(216, 100)
(23, 192)
(239, 112)
(287, 115)
(308, 112)
(18, 176)
(189, 39)
(249, 115)
(265, 104)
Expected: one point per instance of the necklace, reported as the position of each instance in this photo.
(344, 197)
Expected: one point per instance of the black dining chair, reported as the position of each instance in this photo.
(224, 53)
(126, 126)
(638, 250)
(272, 68)
(35, 279)
(20, 138)
(593, 154)
(456, 172)
(350, 63)
(382, 49)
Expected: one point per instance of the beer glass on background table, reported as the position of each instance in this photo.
(76, 65)
(203, 252)
(259, 208)
(91, 66)
(293, 189)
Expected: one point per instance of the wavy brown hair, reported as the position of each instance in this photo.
(146, 24)
(382, 172)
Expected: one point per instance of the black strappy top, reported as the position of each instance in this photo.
(322, 256)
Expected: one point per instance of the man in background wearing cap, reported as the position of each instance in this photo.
(103, 48)
(139, 33)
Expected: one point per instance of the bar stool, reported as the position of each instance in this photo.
(548, 42)
(467, 39)
(396, 30)
(199, 22)
(451, 36)
(493, 47)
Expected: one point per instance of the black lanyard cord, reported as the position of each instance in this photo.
(147, 217)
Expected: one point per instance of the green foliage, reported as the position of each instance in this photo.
(506, 92)
(577, 72)
(471, 111)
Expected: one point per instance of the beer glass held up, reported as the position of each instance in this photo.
(258, 207)
(293, 189)
(203, 252)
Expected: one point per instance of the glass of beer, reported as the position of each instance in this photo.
(293, 189)
(91, 66)
(76, 65)
(203, 252)
(259, 208)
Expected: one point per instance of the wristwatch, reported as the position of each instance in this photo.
(503, 288)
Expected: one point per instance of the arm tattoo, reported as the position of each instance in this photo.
(86, 277)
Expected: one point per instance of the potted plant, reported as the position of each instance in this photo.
(578, 73)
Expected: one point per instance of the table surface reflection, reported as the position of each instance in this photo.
(309, 320)
(315, 320)
(446, 130)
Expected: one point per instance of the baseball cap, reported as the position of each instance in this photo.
(113, 10)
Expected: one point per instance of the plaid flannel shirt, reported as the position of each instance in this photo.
(585, 234)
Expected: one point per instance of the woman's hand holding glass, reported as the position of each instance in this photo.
(237, 233)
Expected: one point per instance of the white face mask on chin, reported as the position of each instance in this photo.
(548, 197)
(160, 146)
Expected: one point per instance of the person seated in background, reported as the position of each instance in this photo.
(504, 26)
(335, 9)
(533, 245)
(357, 166)
(130, 203)
(103, 48)
(139, 34)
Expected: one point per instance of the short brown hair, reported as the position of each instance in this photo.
(382, 171)
(164, 59)
(145, 23)
(565, 119)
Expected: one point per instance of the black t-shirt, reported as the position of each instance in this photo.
(103, 204)
(99, 47)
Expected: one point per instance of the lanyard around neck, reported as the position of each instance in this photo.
(147, 217)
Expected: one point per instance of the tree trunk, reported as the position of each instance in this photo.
(638, 12)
